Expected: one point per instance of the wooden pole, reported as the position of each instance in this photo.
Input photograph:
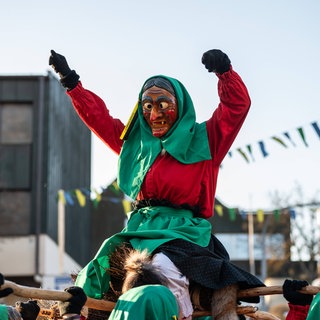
(104, 305)
(61, 233)
(37, 293)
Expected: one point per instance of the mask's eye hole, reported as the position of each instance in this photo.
(147, 106)
(163, 105)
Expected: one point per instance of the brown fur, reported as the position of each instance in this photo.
(140, 271)
(224, 302)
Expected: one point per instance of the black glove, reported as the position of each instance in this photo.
(216, 61)
(290, 288)
(4, 292)
(75, 303)
(68, 78)
(28, 310)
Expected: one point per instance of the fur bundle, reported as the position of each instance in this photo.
(140, 271)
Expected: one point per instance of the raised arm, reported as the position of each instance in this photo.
(228, 117)
(90, 108)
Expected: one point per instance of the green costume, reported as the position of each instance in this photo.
(150, 227)
(3, 312)
(154, 302)
(314, 311)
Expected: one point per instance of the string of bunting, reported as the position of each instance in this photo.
(82, 196)
(285, 139)
(260, 213)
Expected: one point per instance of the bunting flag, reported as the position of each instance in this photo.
(248, 155)
(249, 148)
(68, 198)
(126, 206)
(243, 214)
(287, 135)
(243, 154)
(96, 200)
(276, 214)
(61, 197)
(316, 128)
(279, 140)
(115, 188)
(219, 209)
(81, 198)
(302, 135)
(232, 214)
(292, 213)
(260, 215)
(263, 149)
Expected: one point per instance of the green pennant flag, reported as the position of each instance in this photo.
(249, 148)
(232, 214)
(279, 141)
(243, 155)
(95, 203)
(301, 132)
(276, 214)
(114, 188)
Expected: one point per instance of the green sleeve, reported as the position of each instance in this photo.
(3, 312)
(314, 310)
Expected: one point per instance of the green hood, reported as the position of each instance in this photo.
(187, 142)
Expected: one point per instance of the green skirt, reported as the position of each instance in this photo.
(147, 228)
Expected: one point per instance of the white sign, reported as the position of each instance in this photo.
(238, 247)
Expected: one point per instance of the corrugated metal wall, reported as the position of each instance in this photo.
(68, 168)
(60, 159)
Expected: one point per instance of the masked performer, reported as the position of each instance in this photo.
(169, 163)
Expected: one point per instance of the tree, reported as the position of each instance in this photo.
(305, 235)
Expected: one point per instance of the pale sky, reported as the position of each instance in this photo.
(115, 45)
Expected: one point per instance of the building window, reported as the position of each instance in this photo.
(15, 123)
(15, 213)
(15, 146)
(15, 168)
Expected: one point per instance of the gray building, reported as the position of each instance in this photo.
(44, 147)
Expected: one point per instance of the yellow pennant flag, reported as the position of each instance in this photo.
(260, 215)
(98, 195)
(61, 197)
(219, 210)
(81, 198)
(126, 205)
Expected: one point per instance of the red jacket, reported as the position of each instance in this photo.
(297, 312)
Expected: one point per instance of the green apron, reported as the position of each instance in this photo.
(147, 228)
